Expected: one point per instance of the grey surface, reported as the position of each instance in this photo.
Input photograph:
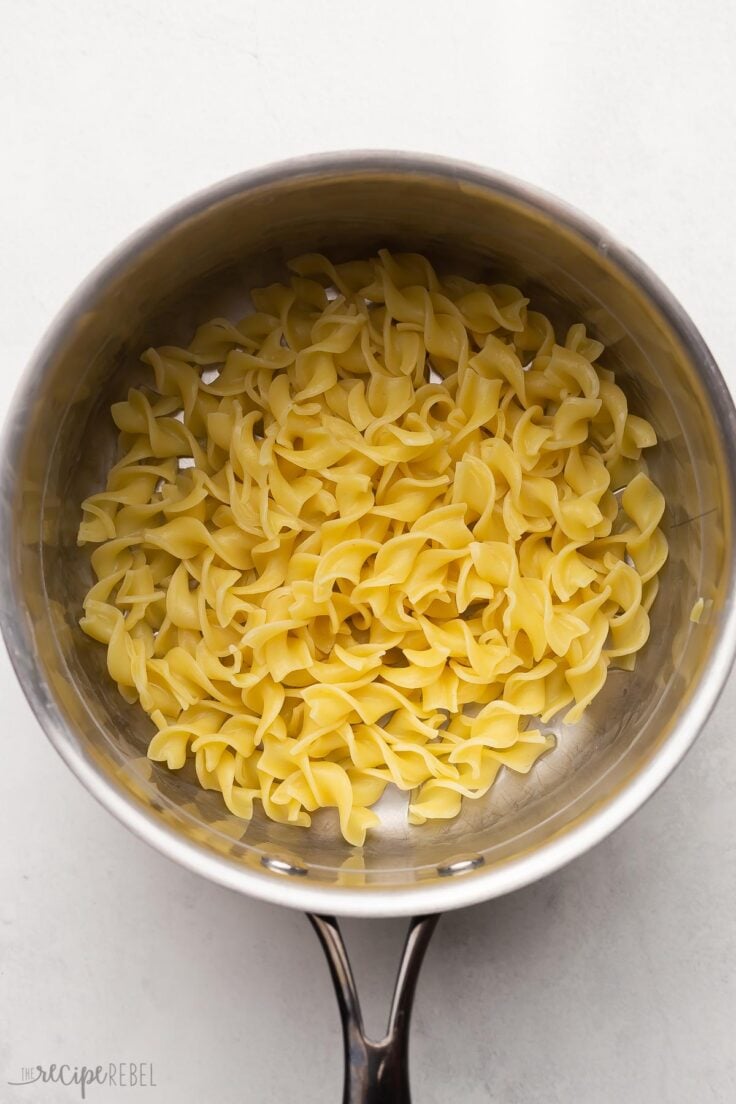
(612, 982)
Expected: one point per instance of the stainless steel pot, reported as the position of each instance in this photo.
(200, 260)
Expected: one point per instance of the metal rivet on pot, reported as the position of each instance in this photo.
(460, 866)
(281, 866)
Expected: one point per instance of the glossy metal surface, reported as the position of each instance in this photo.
(375, 1072)
(200, 260)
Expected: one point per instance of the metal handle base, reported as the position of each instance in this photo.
(376, 1072)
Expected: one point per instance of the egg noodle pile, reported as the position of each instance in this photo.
(368, 535)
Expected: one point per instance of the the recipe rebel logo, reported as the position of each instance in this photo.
(116, 1075)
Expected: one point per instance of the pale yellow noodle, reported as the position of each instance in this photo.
(322, 569)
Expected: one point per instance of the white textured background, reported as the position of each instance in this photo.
(611, 981)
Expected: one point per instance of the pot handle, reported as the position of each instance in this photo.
(376, 1072)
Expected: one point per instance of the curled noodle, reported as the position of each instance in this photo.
(322, 570)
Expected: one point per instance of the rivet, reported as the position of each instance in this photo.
(460, 866)
(281, 866)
